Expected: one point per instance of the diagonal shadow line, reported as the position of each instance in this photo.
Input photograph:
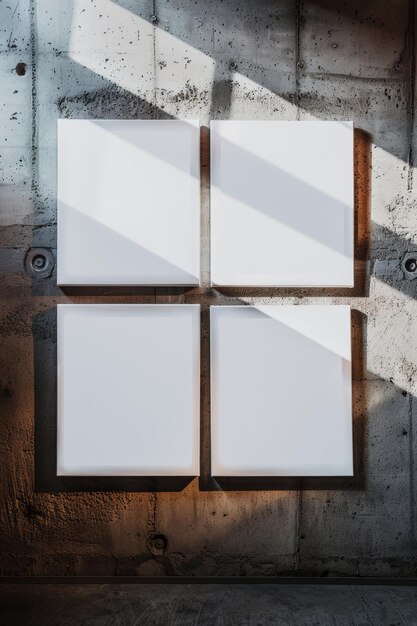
(252, 168)
(258, 310)
(362, 234)
(135, 255)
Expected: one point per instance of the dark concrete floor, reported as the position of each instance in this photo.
(207, 604)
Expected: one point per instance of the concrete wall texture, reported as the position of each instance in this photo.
(211, 60)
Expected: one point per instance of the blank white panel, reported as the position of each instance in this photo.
(128, 390)
(128, 202)
(282, 203)
(281, 391)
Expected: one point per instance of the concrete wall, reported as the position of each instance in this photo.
(221, 59)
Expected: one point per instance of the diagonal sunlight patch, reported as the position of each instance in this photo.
(135, 44)
(105, 26)
(295, 149)
(327, 336)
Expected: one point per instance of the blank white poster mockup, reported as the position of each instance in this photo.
(282, 203)
(128, 202)
(128, 390)
(281, 391)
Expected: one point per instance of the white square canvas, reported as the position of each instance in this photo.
(282, 203)
(128, 390)
(128, 202)
(281, 391)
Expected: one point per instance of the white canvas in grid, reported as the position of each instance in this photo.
(281, 391)
(282, 211)
(128, 202)
(128, 390)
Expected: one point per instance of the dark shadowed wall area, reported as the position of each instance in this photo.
(282, 60)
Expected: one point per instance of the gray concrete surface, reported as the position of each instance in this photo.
(238, 60)
(207, 605)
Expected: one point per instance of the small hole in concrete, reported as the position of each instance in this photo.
(157, 544)
(39, 261)
(21, 69)
(411, 265)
